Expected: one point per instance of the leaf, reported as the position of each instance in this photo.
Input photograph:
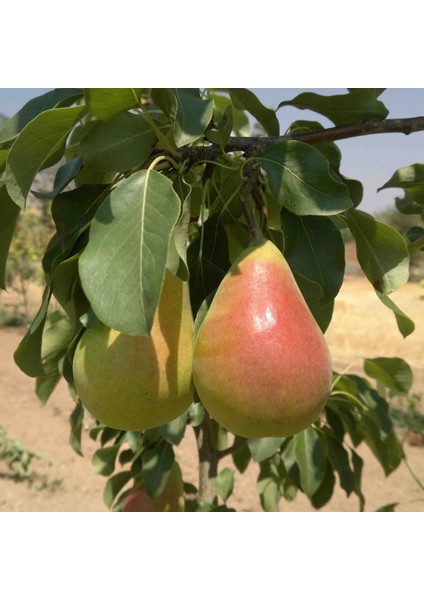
(358, 465)
(411, 180)
(174, 431)
(339, 460)
(405, 324)
(39, 145)
(263, 448)
(123, 266)
(64, 175)
(268, 486)
(343, 109)
(241, 457)
(244, 99)
(9, 213)
(71, 210)
(157, 464)
(220, 133)
(312, 293)
(382, 251)
(57, 335)
(193, 115)
(114, 485)
(388, 507)
(224, 483)
(300, 179)
(196, 414)
(208, 261)
(314, 248)
(166, 101)
(310, 457)
(104, 459)
(325, 490)
(178, 242)
(393, 373)
(28, 354)
(105, 103)
(241, 125)
(76, 421)
(33, 108)
(119, 144)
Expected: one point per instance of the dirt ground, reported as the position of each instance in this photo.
(361, 327)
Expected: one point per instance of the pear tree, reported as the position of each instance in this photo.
(158, 196)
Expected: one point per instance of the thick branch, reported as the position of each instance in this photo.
(251, 146)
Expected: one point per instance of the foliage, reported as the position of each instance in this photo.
(30, 239)
(161, 183)
(19, 462)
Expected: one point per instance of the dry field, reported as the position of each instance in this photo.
(361, 327)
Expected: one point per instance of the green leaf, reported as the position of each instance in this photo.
(166, 101)
(342, 109)
(39, 145)
(71, 210)
(300, 179)
(244, 99)
(157, 464)
(312, 293)
(241, 125)
(64, 175)
(196, 414)
(193, 115)
(405, 324)
(118, 145)
(104, 459)
(241, 457)
(105, 103)
(310, 457)
(178, 242)
(76, 421)
(269, 486)
(208, 261)
(339, 460)
(388, 507)
(9, 213)
(123, 265)
(33, 108)
(68, 292)
(325, 490)
(224, 483)
(314, 248)
(382, 251)
(393, 373)
(57, 335)
(411, 180)
(114, 485)
(28, 354)
(358, 465)
(407, 207)
(174, 431)
(220, 133)
(263, 448)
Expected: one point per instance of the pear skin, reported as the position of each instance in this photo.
(139, 382)
(171, 500)
(261, 364)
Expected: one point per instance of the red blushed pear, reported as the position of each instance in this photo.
(171, 500)
(261, 364)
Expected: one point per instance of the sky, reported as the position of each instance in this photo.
(371, 159)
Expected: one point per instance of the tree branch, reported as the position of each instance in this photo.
(251, 145)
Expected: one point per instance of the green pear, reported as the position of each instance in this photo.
(171, 499)
(261, 364)
(139, 382)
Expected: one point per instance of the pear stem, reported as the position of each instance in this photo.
(208, 461)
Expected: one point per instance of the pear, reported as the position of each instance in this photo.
(139, 382)
(261, 364)
(171, 499)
